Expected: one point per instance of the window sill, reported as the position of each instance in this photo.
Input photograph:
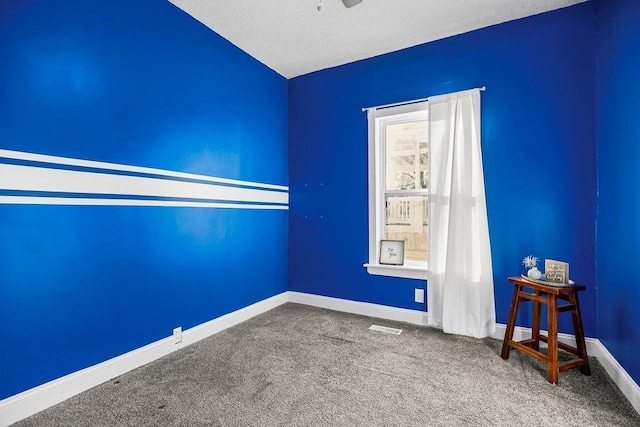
(404, 271)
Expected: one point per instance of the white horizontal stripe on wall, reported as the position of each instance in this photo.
(32, 178)
(20, 155)
(77, 201)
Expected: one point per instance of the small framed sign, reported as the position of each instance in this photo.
(556, 271)
(392, 252)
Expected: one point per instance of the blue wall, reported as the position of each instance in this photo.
(144, 84)
(538, 150)
(618, 224)
(136, 83)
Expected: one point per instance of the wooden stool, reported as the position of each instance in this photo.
(549, 295)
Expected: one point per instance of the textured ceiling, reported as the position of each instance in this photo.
(293, 38)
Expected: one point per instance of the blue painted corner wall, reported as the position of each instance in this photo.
(130, 83)
(618, 135)
(538, 142)
(144, 84)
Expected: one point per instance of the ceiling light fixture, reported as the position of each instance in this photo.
(347, 4)
(351, 3)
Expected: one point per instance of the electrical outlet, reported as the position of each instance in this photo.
(420, 295)
(177, 334)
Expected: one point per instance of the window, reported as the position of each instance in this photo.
(399, 186)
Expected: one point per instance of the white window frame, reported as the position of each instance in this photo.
(378, 118)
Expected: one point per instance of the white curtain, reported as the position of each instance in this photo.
(460, 279)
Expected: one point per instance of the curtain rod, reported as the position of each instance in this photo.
(413, 101)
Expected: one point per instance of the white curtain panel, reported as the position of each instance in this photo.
(460, 293)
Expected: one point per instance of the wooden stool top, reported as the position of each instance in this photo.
(548, 289)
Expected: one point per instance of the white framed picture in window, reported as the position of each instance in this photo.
(392, 252)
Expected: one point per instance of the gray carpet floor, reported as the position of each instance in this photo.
(303, 366)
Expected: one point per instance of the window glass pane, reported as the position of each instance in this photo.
(406, 155)
(406, 219)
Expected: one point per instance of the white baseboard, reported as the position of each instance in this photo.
(32, 401)
(27, 403)
(414, 317)
(623, 380)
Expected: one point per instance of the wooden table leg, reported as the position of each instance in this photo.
(552, 339)
(579, 331)
(511, 322)
(535, 327)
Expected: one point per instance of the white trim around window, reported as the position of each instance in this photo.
(377, 119)
(404, 271)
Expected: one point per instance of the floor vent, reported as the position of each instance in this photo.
(386, 330)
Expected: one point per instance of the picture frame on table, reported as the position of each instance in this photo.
(391, 252)
(556, 271)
